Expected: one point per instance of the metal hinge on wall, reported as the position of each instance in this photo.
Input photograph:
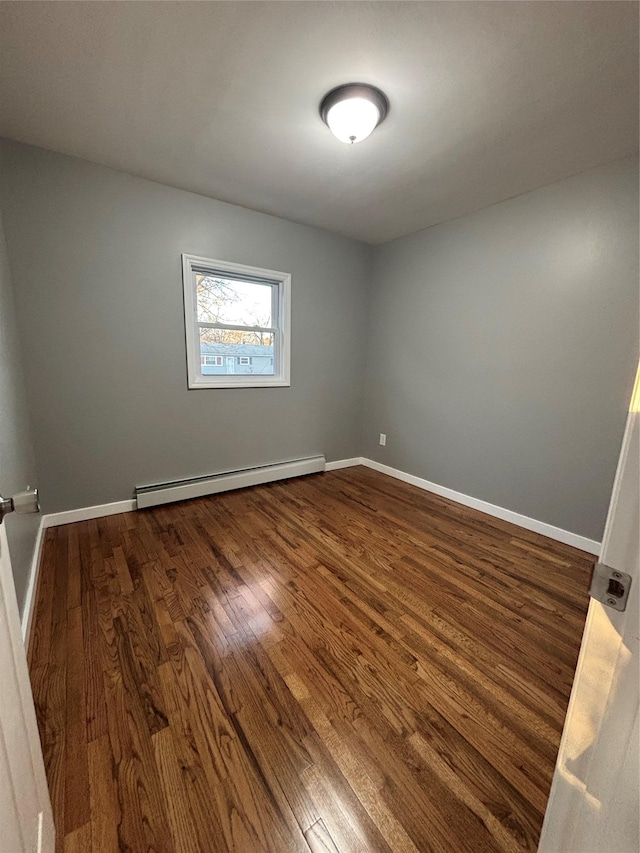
(26, 501)
(610, 587)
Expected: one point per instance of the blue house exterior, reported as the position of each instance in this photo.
(230, 359)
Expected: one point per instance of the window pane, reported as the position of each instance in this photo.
(236, 303)
(236, 353)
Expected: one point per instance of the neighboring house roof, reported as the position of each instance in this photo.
(235, 349)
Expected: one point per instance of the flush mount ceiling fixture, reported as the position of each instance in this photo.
(353, 111)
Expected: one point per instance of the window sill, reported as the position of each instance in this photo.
(252, 383)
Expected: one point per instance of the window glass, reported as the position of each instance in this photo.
(233, 303)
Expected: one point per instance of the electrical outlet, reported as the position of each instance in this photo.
(383, 439)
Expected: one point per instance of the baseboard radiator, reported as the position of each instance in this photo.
(197, 487)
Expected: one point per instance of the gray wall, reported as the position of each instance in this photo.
(96, 266)
(502, 348)
(17, 464)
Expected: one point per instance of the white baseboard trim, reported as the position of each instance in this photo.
(54, 519)
(30, 597)
(557, 533)
(343, 463)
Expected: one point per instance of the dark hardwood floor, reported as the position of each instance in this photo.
(340, 662)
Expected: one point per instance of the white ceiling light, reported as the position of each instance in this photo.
(353, 111)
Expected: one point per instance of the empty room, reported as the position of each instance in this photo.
(319, 427)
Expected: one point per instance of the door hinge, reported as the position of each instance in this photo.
(26, 501)
(610, 587)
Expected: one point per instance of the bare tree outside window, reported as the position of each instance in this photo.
(213, 295)
(217, 298)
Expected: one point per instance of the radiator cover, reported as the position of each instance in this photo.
(211, 484)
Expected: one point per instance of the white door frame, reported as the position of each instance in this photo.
(594, 800)
(26, 819)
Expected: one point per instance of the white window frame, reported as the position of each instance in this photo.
(281, 329)
(217, 361)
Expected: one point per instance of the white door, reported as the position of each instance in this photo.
(26, 821)
(594, 801)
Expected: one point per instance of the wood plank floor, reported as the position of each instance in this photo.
(336, 663)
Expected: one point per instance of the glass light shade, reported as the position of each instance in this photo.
(353, 119)
(352, 111)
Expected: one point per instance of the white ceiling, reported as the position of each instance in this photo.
(488, 99)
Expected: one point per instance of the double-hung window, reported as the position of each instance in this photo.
(237, 324)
